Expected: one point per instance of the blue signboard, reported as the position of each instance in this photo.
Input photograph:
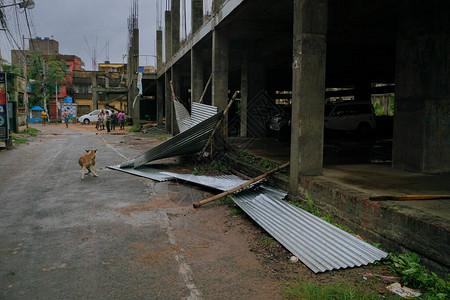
(4, 128)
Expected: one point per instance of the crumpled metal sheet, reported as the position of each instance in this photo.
(190, 141)
(201, 112)
(182, 115)
(320, 245)
(146, 172)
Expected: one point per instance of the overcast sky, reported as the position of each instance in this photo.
(99, 21)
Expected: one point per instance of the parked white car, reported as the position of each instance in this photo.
(92, 116)
(350, 115)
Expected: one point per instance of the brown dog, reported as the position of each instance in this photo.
(87, 161)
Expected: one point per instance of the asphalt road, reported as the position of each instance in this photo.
(64, 238)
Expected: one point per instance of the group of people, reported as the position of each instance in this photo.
(110, 120)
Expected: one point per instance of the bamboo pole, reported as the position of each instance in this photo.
(174, 97)
(204, 91)
(218, 124)
(409, 197)
(200, 203)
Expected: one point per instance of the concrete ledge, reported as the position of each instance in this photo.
(394, 226)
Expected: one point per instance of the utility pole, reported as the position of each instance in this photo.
(25, 95)
(45, 91)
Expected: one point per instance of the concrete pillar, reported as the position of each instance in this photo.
(168, 34)
(244, 93)
(168, 101)
(176, 81)
(197, 84)
(134, 107)
(308, 89)
(175, 35)
(422, 103)
(94, 91)
(196, 15)
(160, 101)
(220, 53)
(159, 49)
(217, 4)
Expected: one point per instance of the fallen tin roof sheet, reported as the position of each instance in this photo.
(190, 141)
(221, 183)
(146, 172)
(318, 244)
(201, 112)
(182, 115)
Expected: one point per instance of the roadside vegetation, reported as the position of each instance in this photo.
(406, 265)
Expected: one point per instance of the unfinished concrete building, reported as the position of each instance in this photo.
(305, 47)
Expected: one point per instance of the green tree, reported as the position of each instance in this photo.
(44, 81)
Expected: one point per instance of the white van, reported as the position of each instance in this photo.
(92, 116)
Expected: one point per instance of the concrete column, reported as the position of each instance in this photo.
(168, 34)
(160, 101)
(244, 93)
(196, 15)
(159, 49)
(197, 84)
(168, 101)
(94, 91)
(217, 4)
(135, 99)
(176, 80)
(422, 103)
(308, 89)
(220, 70)
(175, 26)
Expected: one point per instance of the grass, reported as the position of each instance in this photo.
(165, 136)
(308, 290)
(236, 211)
(134, 129)
(30, 131)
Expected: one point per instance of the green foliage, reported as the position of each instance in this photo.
(54, 75)
(308, 290)
(226, 200)
(236, 211)
(30, 131)
(267, 164)
(218, 165)
(134, 129)
(416, 276)
(17, 140)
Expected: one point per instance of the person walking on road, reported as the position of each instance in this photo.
(121, 118)
(100, 125)
(113, 120)
(108, 121)
(65, 116)
(44, 117)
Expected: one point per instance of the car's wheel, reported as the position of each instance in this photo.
(86, 121)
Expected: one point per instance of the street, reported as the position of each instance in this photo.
(117, 236)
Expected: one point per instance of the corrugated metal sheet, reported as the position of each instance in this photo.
(182, 115)
(318, 244)
(222, 183)
(146, 172)
(201, 112)
(187, 142)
